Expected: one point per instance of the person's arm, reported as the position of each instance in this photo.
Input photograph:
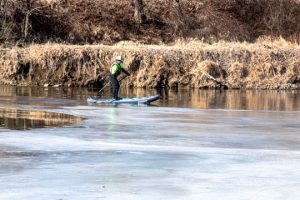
(126, 72)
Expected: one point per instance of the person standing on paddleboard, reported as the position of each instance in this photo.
(115, 70)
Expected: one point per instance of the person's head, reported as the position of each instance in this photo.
(120, 59)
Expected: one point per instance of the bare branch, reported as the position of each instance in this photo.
(39, 8)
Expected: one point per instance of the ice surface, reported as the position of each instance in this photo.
(133, 153)
(238, 150)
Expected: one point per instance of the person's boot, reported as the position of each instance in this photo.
(115, 98)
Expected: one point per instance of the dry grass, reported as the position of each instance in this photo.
(267, 65)
(191, 43)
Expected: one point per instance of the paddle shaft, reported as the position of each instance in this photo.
(108, 84)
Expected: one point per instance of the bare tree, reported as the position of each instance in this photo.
(26, 25)
(3, 19)
(176, 15)
(29, 10)
(139, 13)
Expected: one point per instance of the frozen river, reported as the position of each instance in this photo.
(207, 145)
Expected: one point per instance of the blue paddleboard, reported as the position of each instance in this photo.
(125, 100)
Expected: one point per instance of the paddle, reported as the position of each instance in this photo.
(102, 89)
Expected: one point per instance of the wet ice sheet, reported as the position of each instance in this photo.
(155, 153)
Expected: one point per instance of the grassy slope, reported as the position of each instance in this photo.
(235, 65)
(262, 64)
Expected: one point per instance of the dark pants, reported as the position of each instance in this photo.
(115, 86)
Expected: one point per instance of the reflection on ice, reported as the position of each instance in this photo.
(154, 152)
(204, 99)
(29, 119)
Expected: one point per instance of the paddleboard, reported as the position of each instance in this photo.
(145, 100)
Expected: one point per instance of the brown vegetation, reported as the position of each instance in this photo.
(149, 22)
(266, 65)
(232, 43)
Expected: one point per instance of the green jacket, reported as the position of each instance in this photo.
(116, 70)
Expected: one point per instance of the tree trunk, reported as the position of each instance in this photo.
(26, 26)
(139, 13)
(176, 16)
(27, 23)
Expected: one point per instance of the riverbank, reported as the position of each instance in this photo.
(261, 65)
